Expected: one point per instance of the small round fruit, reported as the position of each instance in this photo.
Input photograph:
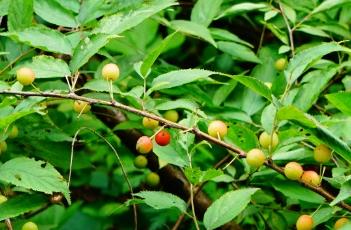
(81, 106)
(56, 198)
(322, 153)
(171, 115)
(255, 158)
(29, 226)
(150, 123)
(25, 76)
(140, 162)
(304, 222)
(110, 72)
(280, 64)
(163, 138)
(144, 145)
(266, 140)
(341, 222)
(311, 178)
(152, 179)
(3, 146)
(3, 199)
(293, 171)
(217, 129)
(13, 132)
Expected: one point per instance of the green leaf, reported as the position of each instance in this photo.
(7, 120)
(54, 13)
(238, 52)
(42, 38)
(86, 49)
(176, 104)
(196, 176)
(72, 5)
(153, 55)
(255, 85)
(341, 101)
(344, 193)
(223, 92)
(227, 207)
(225, 35)
(21, 204)
(20, 14)
(36, 175)
(296, 191)
(193, 29)
(268, 117)
(100, 85)
(329, 4)
(48, 67)
(294, 114)
(179, 77)
(242, 8)
(204, 11)
(303, 59)
(171, 153)
(118, 23)
(162, 200)
(4, 7)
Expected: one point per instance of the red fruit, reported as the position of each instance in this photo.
(163, 138)
(144, 145)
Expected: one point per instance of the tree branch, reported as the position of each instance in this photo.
(269, 163)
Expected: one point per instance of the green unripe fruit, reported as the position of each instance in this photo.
(3, 146)
(266, 140)
(280, 64)
(150, 123)
(304, 222)
(144, 145)
(217, 129)
(13, 132)
(25, 76)
(255, 158)
(341, 222)
(153, 179)
(29, 226)
(322, 153)
(311, 178)
(81, 106)
(140, 162)
(110, 72)
(171, 115)
(293, 171)
(3, 199)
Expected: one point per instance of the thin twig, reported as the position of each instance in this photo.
(194, 130)
(8, 224)
(290, 31)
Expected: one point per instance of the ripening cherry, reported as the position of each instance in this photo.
(163, 138)
(280, 64)
(3, 146)
(30, 226)
(266, 140)
(311, 178)
(13, 133)
(341, 222)
(144, 145)
(140, 162)
(304, 222)
(217, 129)
(56, 198)
(25, 76)
(322, 153)
(110, 72)
(171, 115)
(3, 199)
(293, 170)
(81, 106)
(153, 179)
(255, 158)
(150, 123)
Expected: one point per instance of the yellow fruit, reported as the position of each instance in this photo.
(341, 222)
(29, 226)
(25, 76)
(171, 115)
(322, 153)
(266, 140)
(311, 178)
(153, 179)
(217, 129)
(13, 132)
(110, 72)
(3, 146)
(293, 171)
(150, 123)
(81, 106)
(255, 158)
(3, 199)
(280, 64)
(304, 222)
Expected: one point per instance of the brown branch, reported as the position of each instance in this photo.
(197, 132)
